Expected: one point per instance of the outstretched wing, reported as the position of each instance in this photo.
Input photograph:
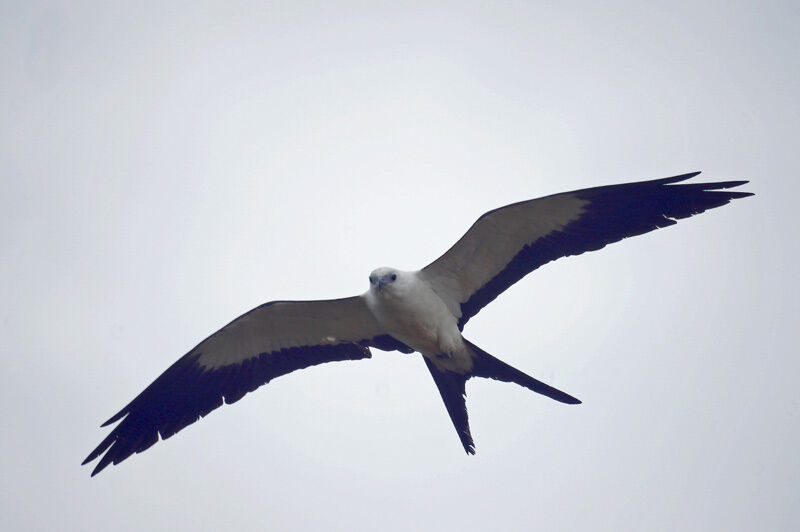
(267, 342)
(506, 244)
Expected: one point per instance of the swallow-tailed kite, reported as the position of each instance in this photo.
(423, 311)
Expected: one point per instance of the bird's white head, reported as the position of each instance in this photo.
(386, 280)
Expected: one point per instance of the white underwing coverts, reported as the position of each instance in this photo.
(422, 311)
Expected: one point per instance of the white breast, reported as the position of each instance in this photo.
(414, 314)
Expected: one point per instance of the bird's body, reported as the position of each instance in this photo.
(423, 311)
(411, 311)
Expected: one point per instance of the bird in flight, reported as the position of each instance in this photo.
(423, 311)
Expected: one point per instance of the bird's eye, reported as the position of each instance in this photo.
(394, 277)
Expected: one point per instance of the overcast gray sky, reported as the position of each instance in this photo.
(167, 167)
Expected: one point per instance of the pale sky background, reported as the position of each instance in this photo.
(166, 168)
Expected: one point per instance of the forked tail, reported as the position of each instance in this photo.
(490, 367)
(452, 388)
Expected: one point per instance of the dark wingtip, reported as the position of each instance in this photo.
(731, 184)
(676, 178)
(110, 421)
(97, 469)
(119, 415)
(100, 449)
(562, 397)
(718, 185)
(737, 195)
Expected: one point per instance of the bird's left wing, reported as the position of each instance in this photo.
(267, 342)
(508, 243)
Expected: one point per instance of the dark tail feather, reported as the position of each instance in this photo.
(451, 388)
(489, 367)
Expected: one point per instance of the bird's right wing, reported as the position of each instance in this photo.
(267, 342)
